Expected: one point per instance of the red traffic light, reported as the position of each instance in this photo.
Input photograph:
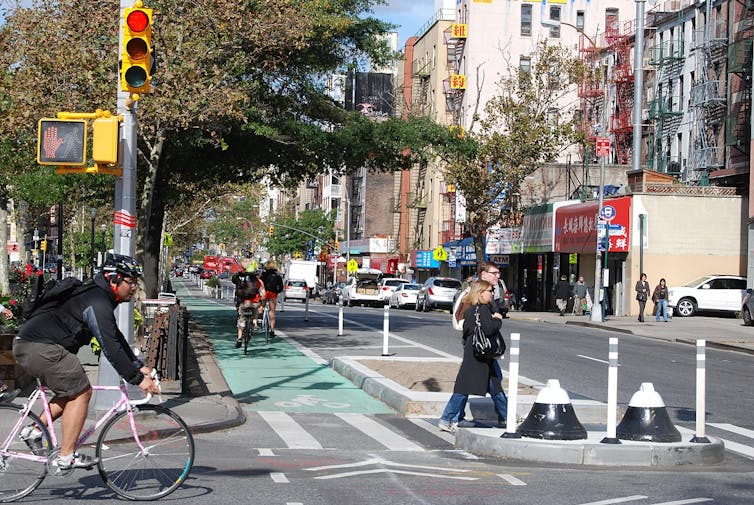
(137, 20)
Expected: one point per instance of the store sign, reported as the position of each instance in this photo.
(576, 230)
(424, 259)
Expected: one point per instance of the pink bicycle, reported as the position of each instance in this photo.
(145, 451)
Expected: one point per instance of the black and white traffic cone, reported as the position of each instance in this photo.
(646, 419)
(552, 416)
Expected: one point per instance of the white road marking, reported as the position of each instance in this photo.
(735, 447)
(594, 359)
(616, 500)
(390, 470)
(294, 436)
(278, 477)
(733, 429)
(433, 429)
(683, 502)
(378, 432)
(265, 452)
(510, 479)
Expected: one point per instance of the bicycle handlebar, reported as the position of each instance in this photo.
(148, 396)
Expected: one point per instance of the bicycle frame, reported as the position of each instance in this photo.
(40, 394)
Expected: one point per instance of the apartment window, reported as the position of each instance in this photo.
(526, 20)
(580, 21)
(524, 64)
(555, 16)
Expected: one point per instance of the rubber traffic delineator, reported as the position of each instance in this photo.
(552, 416)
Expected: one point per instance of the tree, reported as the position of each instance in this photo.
(522, 128)
(238, 92)
(309, 232)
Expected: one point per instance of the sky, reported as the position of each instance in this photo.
(409, 14)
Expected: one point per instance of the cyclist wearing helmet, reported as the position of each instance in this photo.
(47, 344)
(249, 295)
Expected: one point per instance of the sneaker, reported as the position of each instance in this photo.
(466, 424)
(238, 344)
(77, 461)
(447, 426)
(32, 436)
(272, 333)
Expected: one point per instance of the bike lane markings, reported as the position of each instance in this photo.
(617, 500)
(380, 433)
(387, 467)
(292, 434)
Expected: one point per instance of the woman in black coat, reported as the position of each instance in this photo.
(477, 377)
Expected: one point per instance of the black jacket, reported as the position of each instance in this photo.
(87, 314)
(473, 374)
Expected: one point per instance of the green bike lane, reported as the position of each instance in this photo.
(276, 376)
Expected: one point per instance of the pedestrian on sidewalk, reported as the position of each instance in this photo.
(660, 297)
(562, 293)
(579, 296)
(642, 294)
(475, 376)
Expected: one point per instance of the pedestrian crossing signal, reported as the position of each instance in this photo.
(61, 142)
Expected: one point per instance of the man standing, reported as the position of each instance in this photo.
(579, 298)
(562, 294)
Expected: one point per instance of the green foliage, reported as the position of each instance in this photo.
(293, 235)
(212, 282)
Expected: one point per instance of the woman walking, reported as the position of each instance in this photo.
(642, 294)
(477, 376)
(660, 297)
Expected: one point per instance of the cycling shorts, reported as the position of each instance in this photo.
(269, 295)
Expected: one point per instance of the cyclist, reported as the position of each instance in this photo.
(249, 295)
(46, 346)
(273, 286)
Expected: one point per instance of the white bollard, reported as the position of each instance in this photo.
(612, 392)
(513, 354)
(340, 318)
(701, 387)
(306, 307)
(385, 330)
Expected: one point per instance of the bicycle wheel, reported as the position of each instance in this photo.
(247, 332)
(152, 461)
(21, 471)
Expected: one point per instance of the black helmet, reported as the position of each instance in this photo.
(121, 264)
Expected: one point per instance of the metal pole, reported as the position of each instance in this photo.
(385, 330)
(638, 85)
(513, 354)
(701, 386)
(124, 222)
(59, 262)
(612, 392)
(91, 248)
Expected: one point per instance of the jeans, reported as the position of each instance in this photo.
(662, 309)
(454, 410)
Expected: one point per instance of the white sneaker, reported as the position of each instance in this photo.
(447, 426)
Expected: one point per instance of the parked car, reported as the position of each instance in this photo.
(363, 288)
(207, 274)
(331, 296)
(296, 290)
(405, 295)
(437, 292)
(389, 284)
(711, 292)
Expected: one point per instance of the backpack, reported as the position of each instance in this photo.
(248, 287)
(46, 297)
(272, 282)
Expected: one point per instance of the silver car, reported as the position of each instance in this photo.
(296, 290)
(437, 292)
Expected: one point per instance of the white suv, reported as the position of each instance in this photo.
(711, 292)
(388, 285)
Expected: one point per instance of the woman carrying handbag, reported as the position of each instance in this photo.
(642, 294)
(478, 375)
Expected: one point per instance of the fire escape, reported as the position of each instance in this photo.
(738, 124)
(665, 110)
(621, 119)
(454, 86)
(708, 99)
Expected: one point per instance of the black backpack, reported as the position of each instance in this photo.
(46, 297)
(248, 287)
(272, 282)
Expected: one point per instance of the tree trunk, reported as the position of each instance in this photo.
(4, 284)
(151, 215)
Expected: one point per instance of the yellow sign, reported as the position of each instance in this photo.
(573, 258)
(440, 254)
(459, 30)
(168, 241)
(352, 266)
(458, 81)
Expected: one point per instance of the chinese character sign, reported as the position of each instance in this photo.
(576, 227)
(458, 30)
(458, 81)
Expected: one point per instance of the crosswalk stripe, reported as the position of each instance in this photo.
(378, 432)
(510, 479)
(733, 429)
(685, 502)
(294, 436)
(740, 449)
(612, 501)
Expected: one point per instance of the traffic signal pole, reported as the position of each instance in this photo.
(124, 220)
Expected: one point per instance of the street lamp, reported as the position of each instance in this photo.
(103, 226)
(597, 312)
(93, 214)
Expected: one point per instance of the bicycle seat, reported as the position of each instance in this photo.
(9, 396)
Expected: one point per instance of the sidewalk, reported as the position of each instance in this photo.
(210, 405)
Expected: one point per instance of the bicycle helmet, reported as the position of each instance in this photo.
(120, 264)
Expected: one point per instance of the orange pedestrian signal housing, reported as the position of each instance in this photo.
(136, 64)
(61, 142)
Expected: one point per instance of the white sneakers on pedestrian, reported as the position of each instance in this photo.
(447, 426)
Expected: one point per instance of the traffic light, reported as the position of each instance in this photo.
(61, 142)
(272, 230)
(43, 245)
(105, 140)
(136, 65)
(337, 246)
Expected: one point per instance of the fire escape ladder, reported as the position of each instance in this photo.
(419, 212)
(622, 76)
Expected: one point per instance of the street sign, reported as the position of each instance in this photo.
(608, 213)
(352, 266)
(440, 254)
(603, 146)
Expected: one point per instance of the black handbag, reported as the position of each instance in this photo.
(484, 346)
